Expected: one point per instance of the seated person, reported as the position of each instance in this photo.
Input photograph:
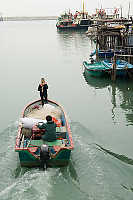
(50, 129)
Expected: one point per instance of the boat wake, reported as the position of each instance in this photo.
(97, 168)
(89, 175)
(34, 184)
(16, 182)
(123, 158)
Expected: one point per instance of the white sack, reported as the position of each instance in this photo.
(30, 122)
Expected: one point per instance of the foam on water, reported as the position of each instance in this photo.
(93, 173)
(101, 175)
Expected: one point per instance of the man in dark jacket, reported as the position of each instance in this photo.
(43, 87)
(50, 129)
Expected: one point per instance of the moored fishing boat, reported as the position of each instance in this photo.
(106, 53)
(123, 68)
(76, 21)
(103, 53)
(65, 21)
(29, 144)
(97, 69)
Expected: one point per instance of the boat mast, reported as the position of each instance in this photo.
(121, 11)
(128, 10)
(1, 18)
(83, 9)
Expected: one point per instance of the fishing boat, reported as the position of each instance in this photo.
(106, 53)
(76, 21)
(96, 69)
(103, 53)
(123, 68)
(31, 147)
(65, 21)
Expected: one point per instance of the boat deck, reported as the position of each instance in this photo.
(40, 142)
(40, 112)
(36, 113)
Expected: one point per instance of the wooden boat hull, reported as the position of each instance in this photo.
(103, 54)
(95, 73)
(74, 27)
(123, 68)
(106, 54)
(96, 69)
(29, 148)
(28, 160)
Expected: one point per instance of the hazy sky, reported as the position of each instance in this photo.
(56, 7)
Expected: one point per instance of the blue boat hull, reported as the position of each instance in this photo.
(106, 54)
(122, 67)
(103, 54)
(96, 69)
(95, 73)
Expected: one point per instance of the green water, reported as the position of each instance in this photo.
(100, 114)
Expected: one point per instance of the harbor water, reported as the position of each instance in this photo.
(100, 114)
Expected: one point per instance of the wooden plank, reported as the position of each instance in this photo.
(118, 55)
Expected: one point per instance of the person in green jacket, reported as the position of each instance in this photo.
(50, 129)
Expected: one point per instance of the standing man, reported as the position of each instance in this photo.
(43, 91)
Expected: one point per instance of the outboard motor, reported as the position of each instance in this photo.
(44, 156)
